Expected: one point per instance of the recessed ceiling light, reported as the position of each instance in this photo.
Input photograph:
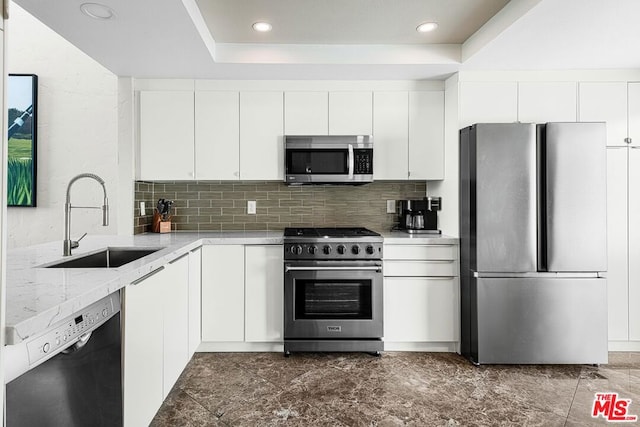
(97, 11)
(426, 27)
(262, 27)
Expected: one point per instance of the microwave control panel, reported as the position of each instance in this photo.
(363, 161)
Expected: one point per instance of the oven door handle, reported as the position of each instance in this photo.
(377, 268)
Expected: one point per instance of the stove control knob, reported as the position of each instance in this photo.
(313, 249)
(46, 347)
(297, 250)
(326, 249)
(355, 249)
(370, 250)
(342, 249)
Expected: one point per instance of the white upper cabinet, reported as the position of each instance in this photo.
(391, 135)
(488, 102)
(605, 102)
(166, 135)
(634, 113)
(426, 135)
(306, 113)
(261, 131)
(351, 113)
(541, 102)
(217, 135)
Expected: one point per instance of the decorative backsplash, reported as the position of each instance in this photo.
(222, 205)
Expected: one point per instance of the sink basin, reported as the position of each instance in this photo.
(107, 258)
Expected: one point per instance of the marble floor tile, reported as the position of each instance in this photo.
(397, 389)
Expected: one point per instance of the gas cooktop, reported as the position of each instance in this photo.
(326, 232)
(331, 244)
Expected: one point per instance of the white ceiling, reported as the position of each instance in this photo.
(346, 22)
(347, 39)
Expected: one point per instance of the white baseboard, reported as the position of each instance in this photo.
(624, 345)
(240, 347)
(278, 347)
(441, 347)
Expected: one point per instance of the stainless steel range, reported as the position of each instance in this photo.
(332, 290)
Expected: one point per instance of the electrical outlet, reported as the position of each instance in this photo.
(251, 207)
(142, 209)
(391, 206)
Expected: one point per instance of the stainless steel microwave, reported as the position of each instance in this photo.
(328, 159)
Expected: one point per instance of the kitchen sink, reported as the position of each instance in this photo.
(106, 258)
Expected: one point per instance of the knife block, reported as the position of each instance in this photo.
(160, 226)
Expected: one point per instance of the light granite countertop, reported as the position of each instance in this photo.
(403, 238)
(38, 297)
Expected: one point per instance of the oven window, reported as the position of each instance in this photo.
(328, 299)
(317, 161)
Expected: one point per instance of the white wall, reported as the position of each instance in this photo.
(77, 132)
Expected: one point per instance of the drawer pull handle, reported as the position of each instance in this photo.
(146, 276)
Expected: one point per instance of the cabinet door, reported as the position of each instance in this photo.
(605, 102)
(418, 309)
(350, 113)
(634, 114)
(426, 135)
(261, 129)
(217, 135)
(264, 279)
(488, 102)
(617, 235)
(391, 135)
(143, 350)
(176, 321)
(541, 102)
(195, 285)
(634, 243)
(166, 135)
(306, 113)
(223, 293)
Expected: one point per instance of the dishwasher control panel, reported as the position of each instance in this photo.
(68, 332)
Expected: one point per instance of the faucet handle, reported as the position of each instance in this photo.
(76, 243)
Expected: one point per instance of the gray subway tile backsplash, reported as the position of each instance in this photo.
(222, 205)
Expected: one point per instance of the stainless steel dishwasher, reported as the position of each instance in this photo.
(69, 375)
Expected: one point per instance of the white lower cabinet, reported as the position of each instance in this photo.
(156, 331)
(420, 309)
(421, 296)
(195, 287)
(263, 275)
(634, 243)
(223, 293)
(143, 350)
(175, 311)
(617, 244)
(242, 297)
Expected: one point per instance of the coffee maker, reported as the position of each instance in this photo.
(419, 215)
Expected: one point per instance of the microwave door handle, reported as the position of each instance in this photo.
(350, 160)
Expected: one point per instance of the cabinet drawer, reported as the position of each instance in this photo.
(420, 310)
(420, 268)
(420, 252)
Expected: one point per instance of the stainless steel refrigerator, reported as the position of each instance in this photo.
(533, 254)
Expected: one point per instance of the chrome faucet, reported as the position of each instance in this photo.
(69, 244)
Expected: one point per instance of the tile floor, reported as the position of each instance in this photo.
(419, 389)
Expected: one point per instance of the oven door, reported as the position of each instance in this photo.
(333, 299)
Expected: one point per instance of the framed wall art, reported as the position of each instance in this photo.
(22, 101)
